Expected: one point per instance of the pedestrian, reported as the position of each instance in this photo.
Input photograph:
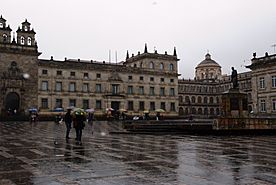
(68, 122)
(79, 125)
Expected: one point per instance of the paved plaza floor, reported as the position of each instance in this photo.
(28, 155)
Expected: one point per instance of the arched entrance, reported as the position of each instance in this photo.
(12, 101)
(181, 111)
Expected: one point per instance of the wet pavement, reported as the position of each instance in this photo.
(28, 155)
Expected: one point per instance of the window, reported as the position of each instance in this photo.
(151, 79)
(59, 72)
(29, 43)
(163, 105)
(199, 100)
(151, 66)
(72, 102)
(72, 87)
(1, 25)
(263, 106)
(44, 86)
(98, 104)
(171, 67)
(85, 104)
(85, 87)
(162, 80)
(172, 106)
(205, 100)
(141, 90)
(72, 74)
(262, 83)
(273, 104)
(44, 103)
(98, 75)
(129, 77)
(161, 66)
(172, 80)
(211, 100)
(152, 106)
(85, 75)
(44, 71)
(58, 86)
(130, 105)
(22, 40)
(151, 92)
(58, 103)
(115, 88)
(5, 38)
(273, 81)
(172, 93)
(130, 89)
(98, 88)
(162, 91)
(141, 105)
(141, 78)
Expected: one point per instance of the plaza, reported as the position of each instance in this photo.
(28, 155)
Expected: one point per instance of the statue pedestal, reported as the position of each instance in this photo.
(234, 104)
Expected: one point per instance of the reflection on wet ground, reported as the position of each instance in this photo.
(28, 155)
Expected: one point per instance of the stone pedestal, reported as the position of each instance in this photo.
(234, 104)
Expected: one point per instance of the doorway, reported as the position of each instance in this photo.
(115, 105)
(12, 102)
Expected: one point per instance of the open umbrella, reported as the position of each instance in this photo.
(159, 110)
(78, 111)
(32, 109)
(58, 109)
(146, 111)
(122, 110)
(109, 109)
(90, 110)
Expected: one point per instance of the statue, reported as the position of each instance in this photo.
(234, 78)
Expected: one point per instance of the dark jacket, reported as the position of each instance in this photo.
(68, 118)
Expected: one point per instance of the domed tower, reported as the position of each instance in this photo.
(208, 69)
(26, 35)
(5, 31)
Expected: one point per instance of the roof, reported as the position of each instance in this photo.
(208, 62)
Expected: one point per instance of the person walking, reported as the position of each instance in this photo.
(68, 122)
(79, 125)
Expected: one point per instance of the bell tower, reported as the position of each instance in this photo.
(5, 31)
(26, 35)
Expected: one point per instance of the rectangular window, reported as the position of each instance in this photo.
(129, 77)
(151, 92)
(172, 93)
(72, 102)
(72, 74)
(59, 72)
(72, 87)
(44, 85)
(98, 88)
(141, 90)
(85, 75)
(115, 88)
(273, 104)
(44, 103)
(85, 104)
(130, 105)
(151, 79)
(98, 104)
(141, 105)
(141, 78)
(262, 83)
(163, 105)
(162, 91)
(130, 89)
(273, 81)
(58, 103)
(172, 80)
(172, 106)
(85, 87)
(98, 75)
(44, 71)
(59, 86)
(263, 106)
(162, 80)
(152, 106)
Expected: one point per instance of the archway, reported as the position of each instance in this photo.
(12, 101)
(181, 111)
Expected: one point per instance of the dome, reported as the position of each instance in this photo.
(208, 62)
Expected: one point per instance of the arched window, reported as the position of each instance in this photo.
(151, 65)
(1, 25)
(171, 67)
(217, 111)
(199, 111)
(186, 111)
(22, 40)
(217, 99)
(141, 65)
(29, 41)
(193, 99)
(205, 100)
(187, 99)
(180, 99)
(161, 66)
(212, 111)
(135, 65)
(199, 99)
(193, 110)
(205, 111)
(5, 38)
(211, 100)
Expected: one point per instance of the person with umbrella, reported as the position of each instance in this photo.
(79, 118)
(68, 122)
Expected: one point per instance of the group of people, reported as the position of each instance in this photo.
(78, 120)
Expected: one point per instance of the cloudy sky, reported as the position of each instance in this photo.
(231, 30)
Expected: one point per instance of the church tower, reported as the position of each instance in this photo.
(5, 31)
(26, 35)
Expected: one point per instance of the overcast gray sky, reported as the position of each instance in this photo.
(87, 29)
